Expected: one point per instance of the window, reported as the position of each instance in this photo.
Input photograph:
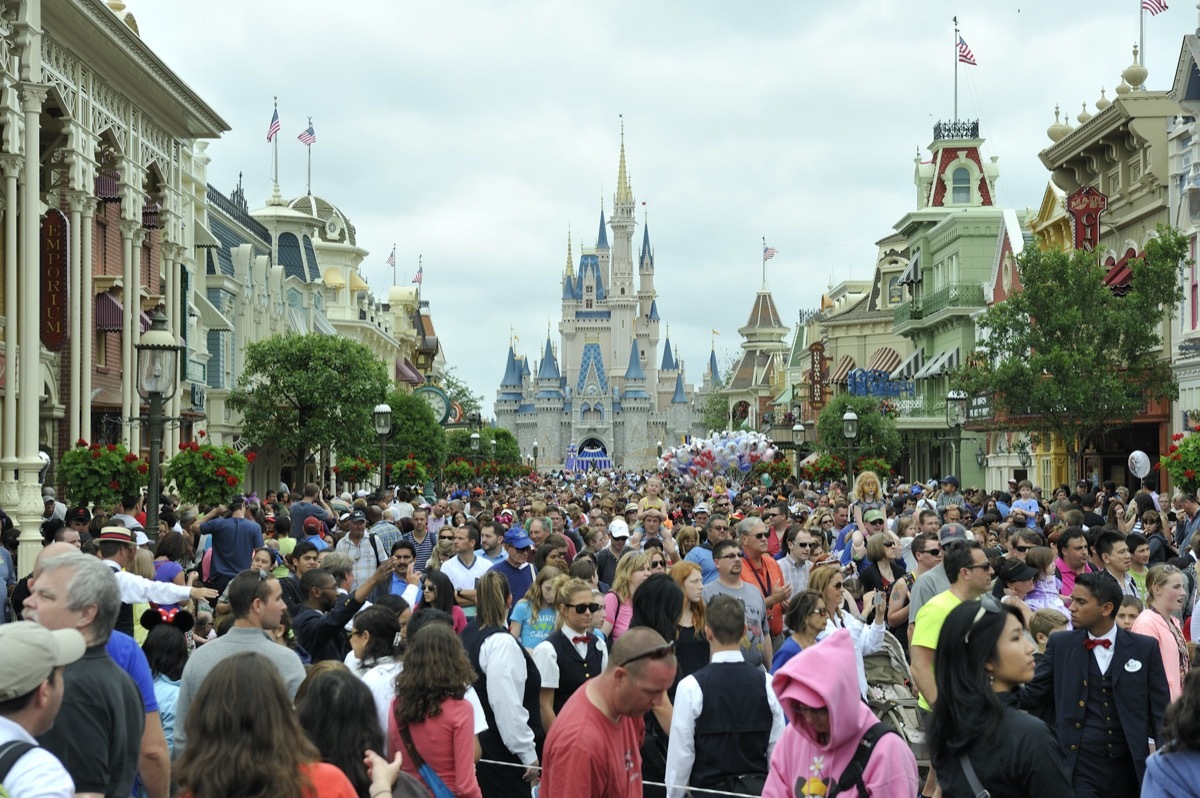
(100, 358)
(587, 289)
(961, 186)
(587, 304)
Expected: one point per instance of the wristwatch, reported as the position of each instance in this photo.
(458, 592)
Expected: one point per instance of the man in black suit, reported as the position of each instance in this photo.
(1108, 689)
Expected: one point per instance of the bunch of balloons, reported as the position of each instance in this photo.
(728, 454)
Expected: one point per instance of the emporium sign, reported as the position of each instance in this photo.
(1085, 207)
(53, 310)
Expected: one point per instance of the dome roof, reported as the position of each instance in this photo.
(402, 294)
(336, 228)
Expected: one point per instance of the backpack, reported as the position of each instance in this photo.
(10, 752)
(852, 776)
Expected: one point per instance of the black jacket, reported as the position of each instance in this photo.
(323, 635)
(1027, 763)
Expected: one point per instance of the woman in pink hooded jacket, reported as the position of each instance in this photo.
(818, 690)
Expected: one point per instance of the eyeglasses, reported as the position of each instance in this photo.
(584, 609)
(657, 564)
(729, 557)
(800, 545)
(891, 544)
(986, 565)
(720, 529)
(819, 611)
(1024, 549)
(662, 652)
(760, 535)
(931, 552)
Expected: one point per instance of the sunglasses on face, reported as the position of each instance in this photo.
(657, 564)
(1024, 549)
(760, 535)
(584, 609)
(931, 552)
(729, 557)
(662, 652)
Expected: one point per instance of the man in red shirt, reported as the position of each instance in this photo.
(764, 573)
(594, 746)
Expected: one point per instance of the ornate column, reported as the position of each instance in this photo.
(10, 165)
(176, 319)
(79, 356)
(87, 325)
(131, 301)
(29, 509)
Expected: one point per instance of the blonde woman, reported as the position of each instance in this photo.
(535, 616)
(632, 570)
(1165, 592)
(572, 654)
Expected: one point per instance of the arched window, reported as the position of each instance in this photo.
(961, 184)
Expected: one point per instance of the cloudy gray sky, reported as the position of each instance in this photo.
(475, 133)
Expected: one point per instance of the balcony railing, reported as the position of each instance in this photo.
(906, 313)
(954, 295)
(966, 129)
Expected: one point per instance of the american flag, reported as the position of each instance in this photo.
(391, 261)
(274, 127)
(308, 137)
(965, 56)
(419, 275)
(1155, 7)
(769, 252)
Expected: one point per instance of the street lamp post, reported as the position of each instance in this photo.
(797, 440)
(850, 433)
(535, 454)
(492, 443)
(383, 428)
(660, 450)
(158, 377)
(956, 417)
(475, 448)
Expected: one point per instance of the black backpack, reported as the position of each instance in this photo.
(10, 752)
(852, 776)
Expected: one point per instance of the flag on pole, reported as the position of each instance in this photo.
(419, 275)
(274, 126)
(308, 137)
(769, 252)
(714, 332)
(391, 259)
(965, 56)
(1155, 7)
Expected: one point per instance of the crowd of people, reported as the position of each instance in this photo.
(607, 634)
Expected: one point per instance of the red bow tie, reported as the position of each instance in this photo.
(1102, 642)
(585, 639)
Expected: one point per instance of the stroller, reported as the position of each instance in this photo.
(892, 696)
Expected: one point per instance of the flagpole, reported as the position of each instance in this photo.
(764, 265)
(308, 184)
(1141, 33)
(956, 70)
(275, 152)
(394, 264)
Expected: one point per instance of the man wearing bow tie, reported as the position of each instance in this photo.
(1108, 689)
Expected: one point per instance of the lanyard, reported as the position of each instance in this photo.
(766, 591)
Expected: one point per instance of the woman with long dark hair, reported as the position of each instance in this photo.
(1174, 769)
(430, 719)
(245, 741)
(438, 593)
(657, 604)
(338, 715)
(509, 687)
(978, 737)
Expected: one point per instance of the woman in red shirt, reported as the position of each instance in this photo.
(429, 704)
(244, 740)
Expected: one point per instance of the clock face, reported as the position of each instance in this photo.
(437, 402)
(592, 390)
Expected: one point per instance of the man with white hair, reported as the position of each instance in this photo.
(99, 729)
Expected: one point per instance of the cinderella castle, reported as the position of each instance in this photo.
(606, 398)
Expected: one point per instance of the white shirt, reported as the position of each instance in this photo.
(867, 639)
(37, 774)
(381, 679)
(546, 658)
(139, 590)
(503, 664)
(1104, 655)
(689, 702)
(463, 577)
(366, 559)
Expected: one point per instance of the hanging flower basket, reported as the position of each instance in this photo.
(207, 474)
(354, 469)
(1182, 461)
(101, 474)
(408, 471)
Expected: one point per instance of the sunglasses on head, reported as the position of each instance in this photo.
(662, 652)
(585, 608)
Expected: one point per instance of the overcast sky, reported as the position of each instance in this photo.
(475, 133)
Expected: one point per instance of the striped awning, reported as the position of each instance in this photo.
(912, 273)
(407, 372)
(109, 313)
(945, 362)
(844, 366)
(884, 359)
(911, 365)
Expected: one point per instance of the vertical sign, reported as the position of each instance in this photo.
(53, 310)
(1085, 207)
(816, 376)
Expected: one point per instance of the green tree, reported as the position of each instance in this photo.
(415, 432)
(301, 393)
(458, 445)
(877, 433)
(460, 392)
(1065, 355)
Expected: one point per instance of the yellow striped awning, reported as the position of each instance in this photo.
(357, 283)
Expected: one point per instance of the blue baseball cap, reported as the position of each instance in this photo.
(517, 538)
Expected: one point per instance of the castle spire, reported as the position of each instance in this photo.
(602, 236)
(570, 266)
(624, 193)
